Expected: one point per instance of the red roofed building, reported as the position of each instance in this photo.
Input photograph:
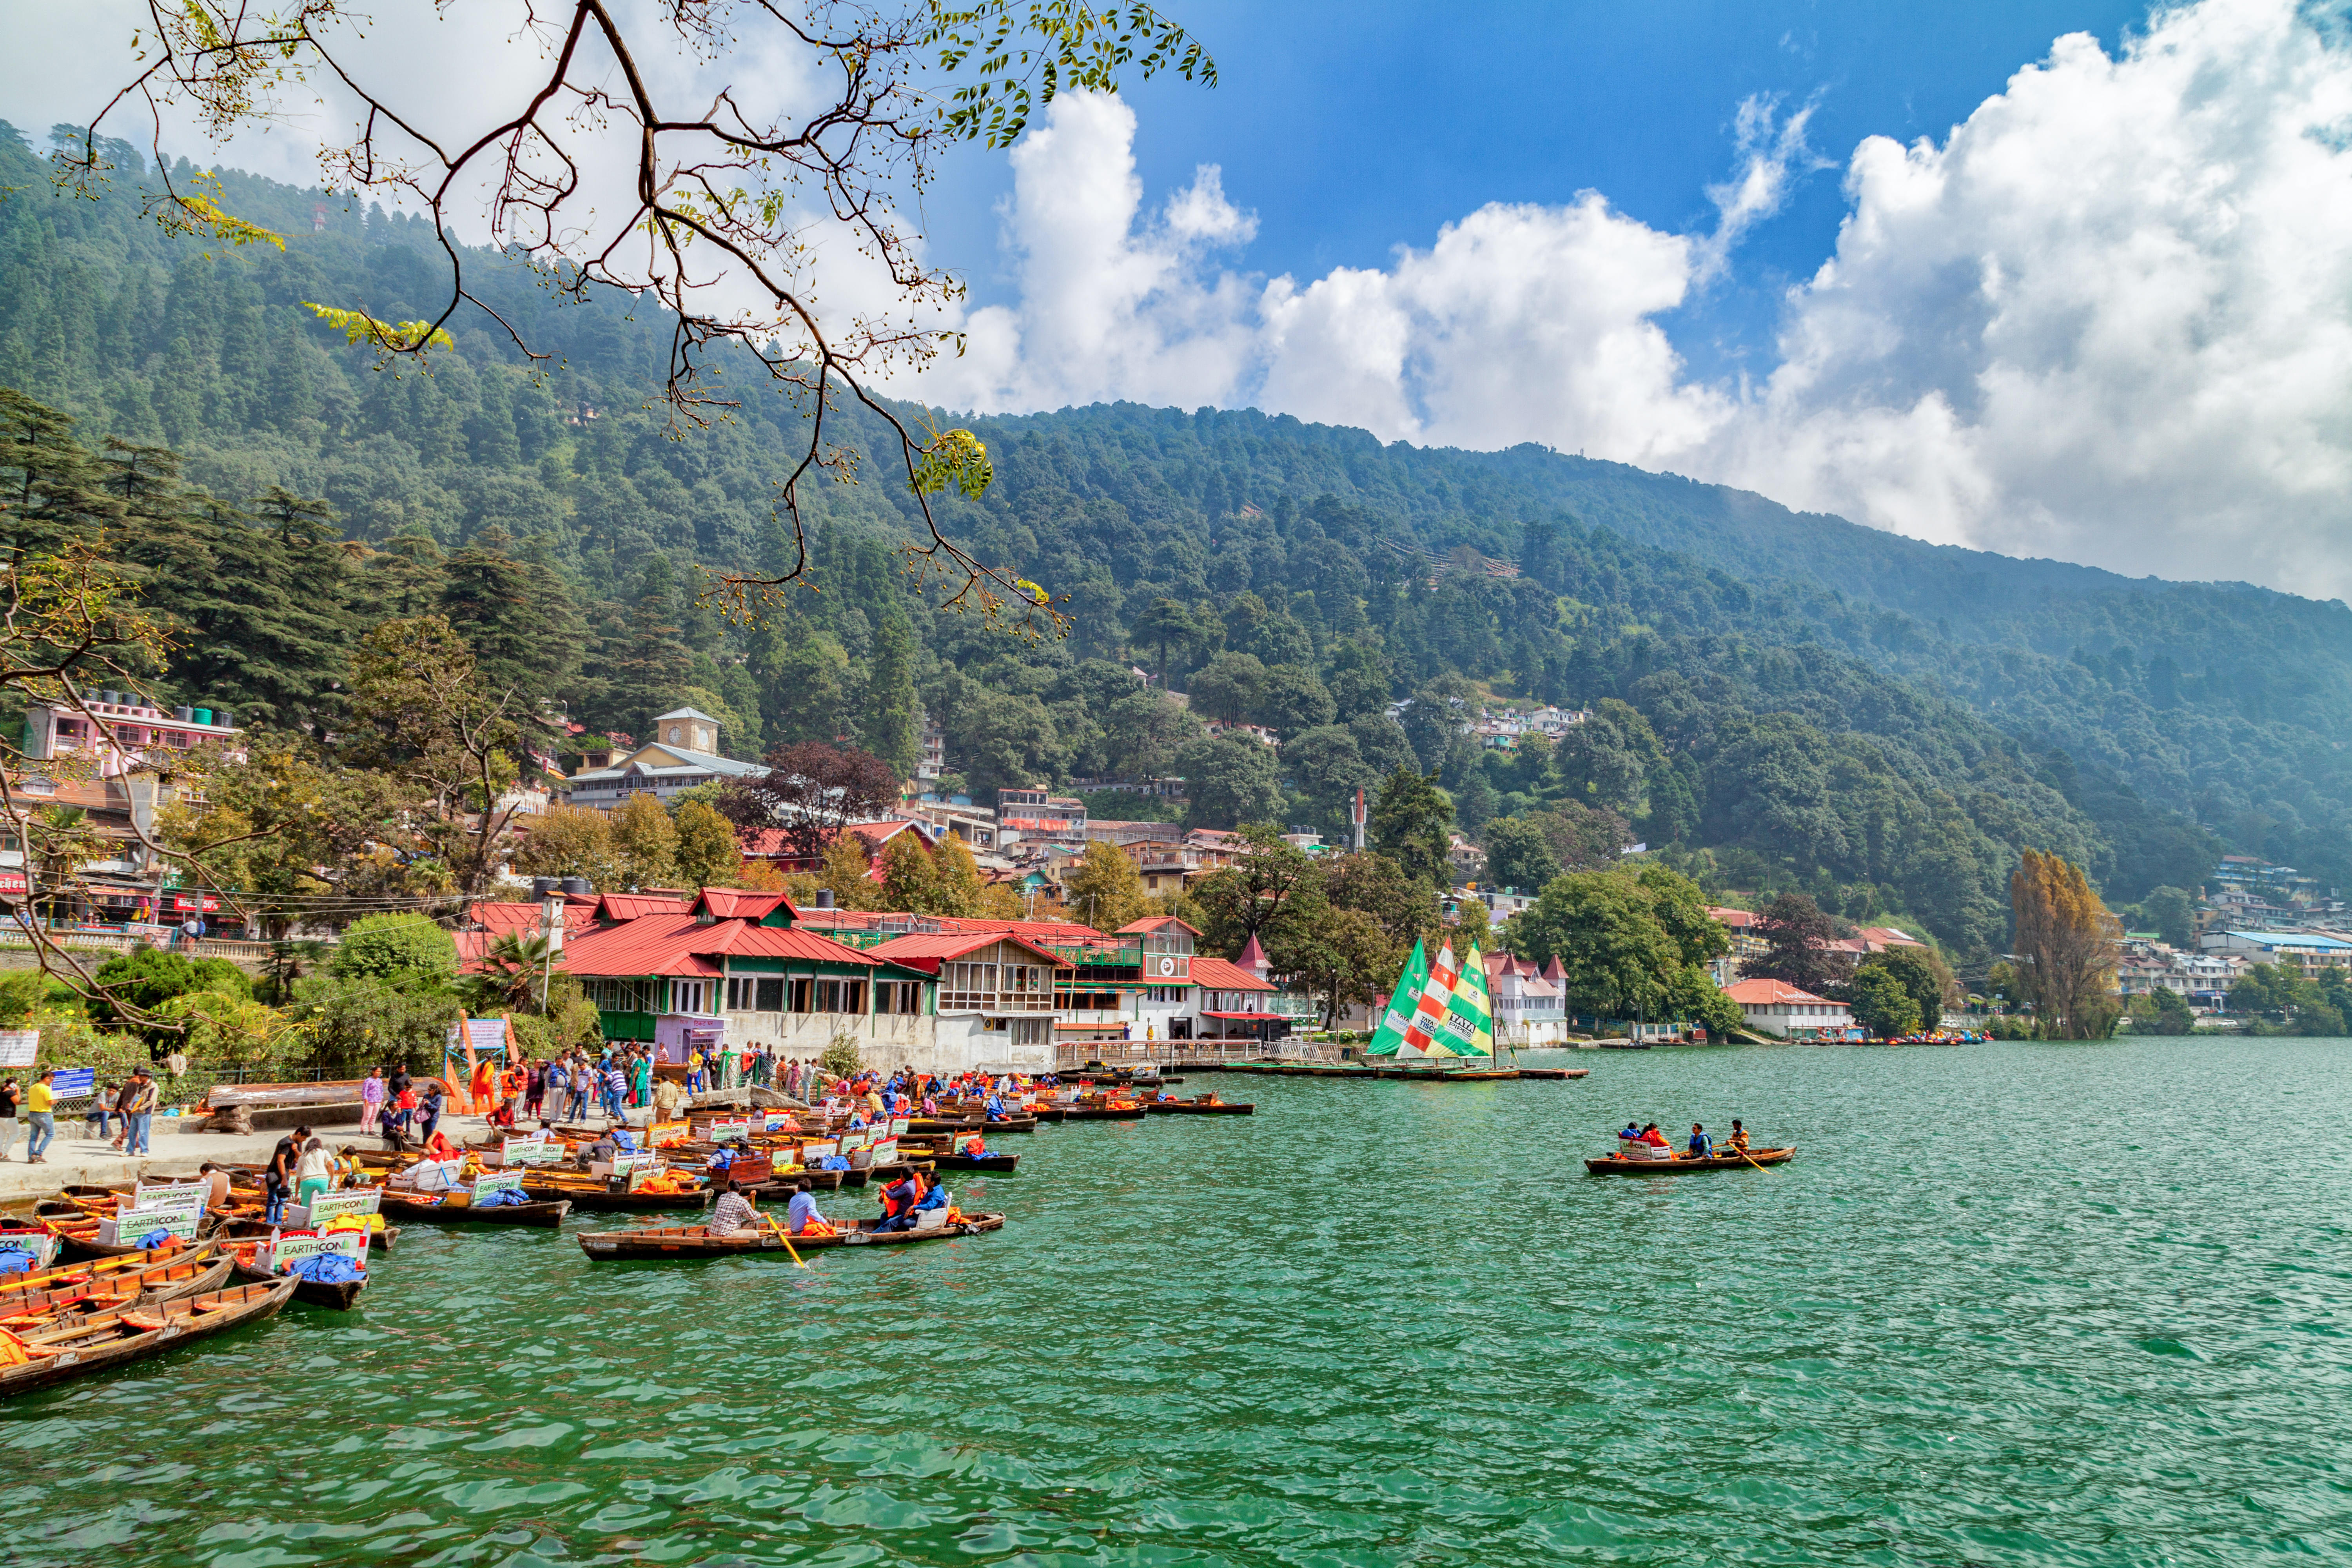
(729, 969)
(1774, 1006)
(767, 844)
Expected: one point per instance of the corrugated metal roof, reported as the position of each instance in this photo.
(1770, 993)
(1151, 923)
(637, 906)
(927, 949)
(735, 903)
(681, 944)
(1216, 974)
(500, 919)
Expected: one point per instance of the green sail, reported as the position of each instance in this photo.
(1390, 1034)
(1471, 1009)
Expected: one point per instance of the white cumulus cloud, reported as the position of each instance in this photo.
(2106, 318)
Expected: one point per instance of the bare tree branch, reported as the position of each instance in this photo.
(718, 208)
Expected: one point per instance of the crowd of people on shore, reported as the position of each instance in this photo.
(612, 1082)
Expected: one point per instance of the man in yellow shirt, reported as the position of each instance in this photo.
(41, 1111)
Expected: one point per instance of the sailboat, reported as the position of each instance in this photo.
(1440, 1010)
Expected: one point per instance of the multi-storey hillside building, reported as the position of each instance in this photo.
(683, 755)
(1038, 816)
(119, 732)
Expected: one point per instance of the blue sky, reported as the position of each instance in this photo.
(2069, 280)
(1351, 129)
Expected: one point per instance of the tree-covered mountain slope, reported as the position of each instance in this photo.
(1885, 722)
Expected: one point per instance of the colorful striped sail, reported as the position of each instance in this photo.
(1389, 1037)
(1472, 1008)
(1433, 1031)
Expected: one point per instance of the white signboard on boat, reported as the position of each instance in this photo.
(504, 1181)
(292, 1250)
(811, 1154)
(171, 1198)
(131, 1227)
(898, 1127)
(530, 1151)
(853, 1141)
(886, 1152)
(360, 1201)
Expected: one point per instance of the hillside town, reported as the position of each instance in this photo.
(1035, 987)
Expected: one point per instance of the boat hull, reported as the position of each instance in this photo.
(545, 1216)
(1614, 1166)
(251, 1305)
(694, 1244)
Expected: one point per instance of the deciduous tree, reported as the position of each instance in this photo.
(2068, 944)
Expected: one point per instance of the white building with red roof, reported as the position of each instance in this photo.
(1776, 1007)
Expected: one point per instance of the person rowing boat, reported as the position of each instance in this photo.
(732, 1211)
(1737, 1141)
(802, 1213)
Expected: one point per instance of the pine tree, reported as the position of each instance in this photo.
(890, 723)
(53, 489)
(517, 615)
(650, 664)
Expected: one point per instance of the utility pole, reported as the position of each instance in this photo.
(551, 934)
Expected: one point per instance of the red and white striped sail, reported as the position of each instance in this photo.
(1422, 1035)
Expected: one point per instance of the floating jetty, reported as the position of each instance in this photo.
(1359, 1069)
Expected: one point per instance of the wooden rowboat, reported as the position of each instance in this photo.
(163, 1282)
(683, 1243)
(132, 1333)
(1614, 1166)
(77, 1233)
(245, 1219)
(999, 1164)
(592, 1197)
(1103, 1113)
(64, 1275)
(1195, 1108)
(545, 1216)
(338, 1296)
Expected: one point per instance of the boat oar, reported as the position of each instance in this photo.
(1743, 1154)
(770, 1221)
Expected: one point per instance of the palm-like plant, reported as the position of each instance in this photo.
(510, 976)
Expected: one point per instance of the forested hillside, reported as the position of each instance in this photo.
(1781, 700)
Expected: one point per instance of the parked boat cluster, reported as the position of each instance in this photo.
(114, 1273)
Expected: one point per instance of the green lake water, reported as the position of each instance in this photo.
(2011, 1304)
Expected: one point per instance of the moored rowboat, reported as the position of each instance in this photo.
(1616, 1166)
(412, 1206)
(132, 1333)
(693, 1242)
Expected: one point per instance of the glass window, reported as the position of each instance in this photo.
(771, 997)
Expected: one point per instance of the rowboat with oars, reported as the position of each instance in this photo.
(112, 1339)
(1618, 1165)
(695, 1243)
